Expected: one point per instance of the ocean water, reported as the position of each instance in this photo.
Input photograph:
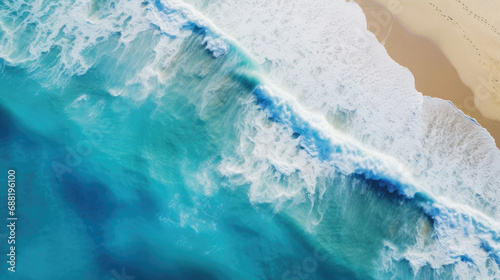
(233, 140)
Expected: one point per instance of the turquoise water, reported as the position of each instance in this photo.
(146, 144)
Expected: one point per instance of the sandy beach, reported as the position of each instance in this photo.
(441, 69)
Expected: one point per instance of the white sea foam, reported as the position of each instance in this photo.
(218, 47)
(83, 32)
(278, 168)
(336, 68)
(320, 53)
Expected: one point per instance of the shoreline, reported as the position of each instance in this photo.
(434, 74)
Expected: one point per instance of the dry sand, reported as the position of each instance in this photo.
(468, 33)
(434, 74)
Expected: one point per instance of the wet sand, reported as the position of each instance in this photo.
(434, 74)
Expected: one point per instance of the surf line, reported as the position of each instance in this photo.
(349, 156)
(341, 151)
